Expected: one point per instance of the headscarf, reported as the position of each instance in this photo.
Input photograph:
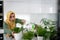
(11, 24)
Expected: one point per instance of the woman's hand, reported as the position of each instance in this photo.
(23, 21)
(7, 35)
(13, 33)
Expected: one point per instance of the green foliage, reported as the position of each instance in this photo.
(41, 31)
(48, 22)
(51, 26)
(28, 35)
(17, 30)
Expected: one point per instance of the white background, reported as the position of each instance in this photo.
(32, 10)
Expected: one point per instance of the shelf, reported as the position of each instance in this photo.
(1, 14)
(1, 31)
(1, 36)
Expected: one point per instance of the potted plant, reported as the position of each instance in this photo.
(17, 33)
(53, 32)
(51, 26)
(28, 35)
(41, 33)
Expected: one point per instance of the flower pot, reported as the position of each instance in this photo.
(34, 38)
(18, 36)
(39, 37)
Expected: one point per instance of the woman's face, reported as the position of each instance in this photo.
(12, 17)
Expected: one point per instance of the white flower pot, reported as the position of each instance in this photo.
(34, 38)
(18, 36)
(39, 38)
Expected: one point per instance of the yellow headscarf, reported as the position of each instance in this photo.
(11, 25)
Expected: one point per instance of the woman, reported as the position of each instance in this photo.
(10, 23)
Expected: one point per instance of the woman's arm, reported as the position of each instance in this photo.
(21, 21)
(6, 30)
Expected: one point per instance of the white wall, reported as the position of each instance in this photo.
(36, 18)
(31, 6)
(31, 10)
